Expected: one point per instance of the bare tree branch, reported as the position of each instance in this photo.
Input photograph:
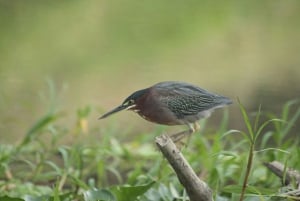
(288, 175)
(196, 189)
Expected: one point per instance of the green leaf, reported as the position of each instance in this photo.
(249, 190)
(79, 182)
(247, 121)
(226, 153)
(257, 118)
(64, 151)
(164, 192)
(99, 195)
(224, 122)
(56, 168)
(265, 138)
(291, 122)
(49, 117)
(38, 126)
(264, 125)
(286, 108)
(232, 131)
(173, 191)
(125, 193)
(6, 198)
(84, 112)
(66, 196)
(56, 192)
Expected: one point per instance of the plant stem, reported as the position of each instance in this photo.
(248, 170)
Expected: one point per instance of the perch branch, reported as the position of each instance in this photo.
(196, 189)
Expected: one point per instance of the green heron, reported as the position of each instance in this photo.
(173, 103)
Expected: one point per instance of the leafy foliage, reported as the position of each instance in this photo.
(44, 167)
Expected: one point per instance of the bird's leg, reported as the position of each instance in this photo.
(179, 136)
(196, 127)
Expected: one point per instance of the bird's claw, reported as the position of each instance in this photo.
(179, 136)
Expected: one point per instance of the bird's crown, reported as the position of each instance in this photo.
(130, 100)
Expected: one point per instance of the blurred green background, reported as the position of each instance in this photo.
(97, 52)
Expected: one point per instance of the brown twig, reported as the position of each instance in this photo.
(287, 175)
(196, 189)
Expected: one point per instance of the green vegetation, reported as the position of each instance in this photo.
(102, 50)
(42, 166)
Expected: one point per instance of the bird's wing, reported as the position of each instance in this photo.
(189, 105)
(185, 100)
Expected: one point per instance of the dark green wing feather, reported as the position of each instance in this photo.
(186, 99)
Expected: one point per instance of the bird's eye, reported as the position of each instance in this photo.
(130, 102)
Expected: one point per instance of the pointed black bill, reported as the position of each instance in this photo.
(117, 109)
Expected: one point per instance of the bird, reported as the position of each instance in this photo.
(173, 103)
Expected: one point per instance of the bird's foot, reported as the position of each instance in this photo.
(179, 136)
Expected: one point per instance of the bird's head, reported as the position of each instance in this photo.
(130, 103)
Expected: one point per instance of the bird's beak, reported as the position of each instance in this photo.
(117, 109)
